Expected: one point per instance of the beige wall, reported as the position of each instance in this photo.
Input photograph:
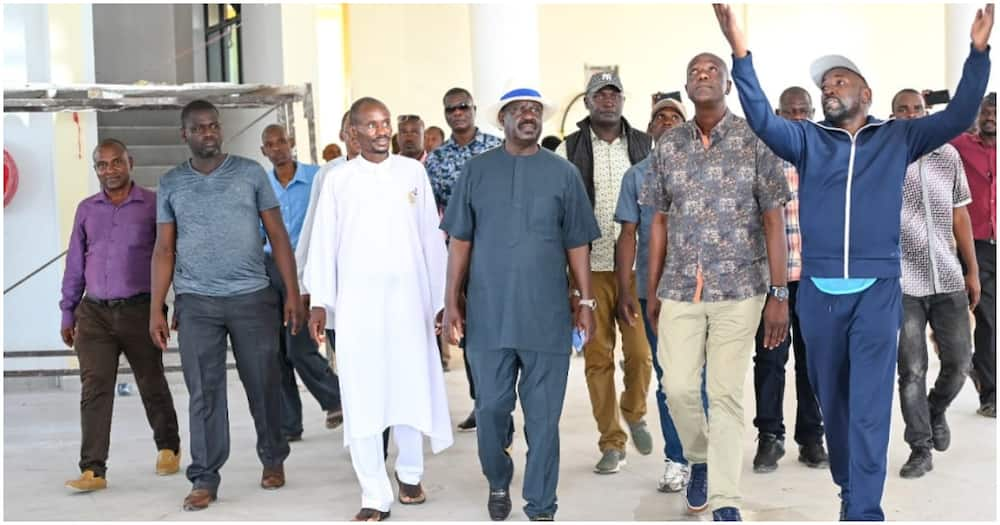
(409, 55)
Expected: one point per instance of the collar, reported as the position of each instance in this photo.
(478, 137)
(134, 195)
(300, 175)
(594, 139)
(974, 137)
(720, 129)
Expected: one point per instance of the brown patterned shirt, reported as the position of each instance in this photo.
(713, 197)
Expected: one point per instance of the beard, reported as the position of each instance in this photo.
(836, 110)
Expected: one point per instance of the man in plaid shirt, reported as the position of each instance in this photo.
(769, 365)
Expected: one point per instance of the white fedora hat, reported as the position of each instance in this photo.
(522, 93)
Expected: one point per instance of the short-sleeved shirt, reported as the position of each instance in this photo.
(219, 249)
(521, 214)
(935, 185)
(629, 210)
(445, 162)
(610, 162)
(294, 200)
(713, 197)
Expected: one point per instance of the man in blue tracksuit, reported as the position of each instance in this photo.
(852, 168)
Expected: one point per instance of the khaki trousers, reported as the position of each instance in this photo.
(718, 336)
(599, 361)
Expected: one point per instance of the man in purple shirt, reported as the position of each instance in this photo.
(109, 257)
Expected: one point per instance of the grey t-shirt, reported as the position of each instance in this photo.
(219, 249)
(521, 214)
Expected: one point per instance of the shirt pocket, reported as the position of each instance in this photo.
(545, 218)
(139, 235)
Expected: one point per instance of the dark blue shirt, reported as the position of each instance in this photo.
(521, 214)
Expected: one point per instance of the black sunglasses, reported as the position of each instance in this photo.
(464, 106)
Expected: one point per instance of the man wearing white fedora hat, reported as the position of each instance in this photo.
(518, 215)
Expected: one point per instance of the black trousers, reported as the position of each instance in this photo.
(984, 359)
(103, 334)
(299, 353)
(769, 383)
(948, 315)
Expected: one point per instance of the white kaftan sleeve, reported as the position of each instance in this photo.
(435, 252)
(302, 249)
(320, 272)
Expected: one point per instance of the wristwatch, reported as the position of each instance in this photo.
(589, 303)
(779, 292)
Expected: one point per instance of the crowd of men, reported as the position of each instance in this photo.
(708, 241)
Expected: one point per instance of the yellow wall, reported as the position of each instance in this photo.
(300, 52)
(73, 142)
(408, 55)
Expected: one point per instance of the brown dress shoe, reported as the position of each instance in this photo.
(273, 477)
(198, 499)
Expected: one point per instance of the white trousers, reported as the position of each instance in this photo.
(369, 465)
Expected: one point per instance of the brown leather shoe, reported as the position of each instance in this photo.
(198, 499)
(273, 477)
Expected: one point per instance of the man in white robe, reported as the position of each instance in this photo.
(376, 262)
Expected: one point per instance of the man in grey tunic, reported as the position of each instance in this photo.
(517, 216)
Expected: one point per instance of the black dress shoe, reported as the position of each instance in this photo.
(940, 433)
(294, 437)
(499, 504)
(814, 455)
(545, 516)
(919, 464)
(469, 425)
(769, 450)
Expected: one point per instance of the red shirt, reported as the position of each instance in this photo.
(980, 162)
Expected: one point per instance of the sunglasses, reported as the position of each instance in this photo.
(658, 96)
(405, 118)
(464, 106)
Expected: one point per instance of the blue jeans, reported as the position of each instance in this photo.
(672, 448)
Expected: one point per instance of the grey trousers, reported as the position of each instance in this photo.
(301, 353)
(542, 386)
(251, 323)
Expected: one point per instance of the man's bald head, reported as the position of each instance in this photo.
(795, 103)
(363, 104)
(276, 146)
(713, 58)
(276, 130)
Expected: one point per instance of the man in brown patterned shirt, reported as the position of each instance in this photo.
(717, 237)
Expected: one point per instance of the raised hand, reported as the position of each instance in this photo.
(981, 27)
(727, 22)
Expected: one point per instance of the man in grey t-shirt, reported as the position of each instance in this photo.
(208, 243)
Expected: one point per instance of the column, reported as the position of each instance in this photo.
(504, 50)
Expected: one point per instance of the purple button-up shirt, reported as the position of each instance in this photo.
(109, 250)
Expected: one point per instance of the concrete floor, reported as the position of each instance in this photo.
(41, 446)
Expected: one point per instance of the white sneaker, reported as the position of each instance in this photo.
(675, 477)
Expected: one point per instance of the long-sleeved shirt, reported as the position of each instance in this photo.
(110, 249)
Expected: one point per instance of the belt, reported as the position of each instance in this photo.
(991, 242)
(135, 299)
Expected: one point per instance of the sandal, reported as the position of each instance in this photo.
(410, 494)
(367, 514)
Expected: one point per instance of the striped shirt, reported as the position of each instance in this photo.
(792, 230)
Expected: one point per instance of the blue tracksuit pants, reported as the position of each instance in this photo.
(852, 342)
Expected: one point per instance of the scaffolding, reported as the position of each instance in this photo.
(47, 98)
